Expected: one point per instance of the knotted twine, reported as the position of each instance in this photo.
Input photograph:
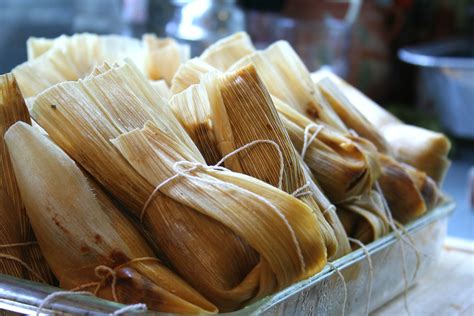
(98, 285)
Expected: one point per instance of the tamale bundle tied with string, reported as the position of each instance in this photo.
(272, 239)
(19, 253)
(228, 111)
(352, 161)
(98, 249)
(421, 148)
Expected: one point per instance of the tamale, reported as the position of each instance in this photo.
(81, 231)
(350, 115)
(230, 111)
(225, 52)
(401, 192)
(163, 57)
(424, 149)
(364, 217)
(14, 225)
(344, 165)
(274, 223)
(287, 78)
(87, 114)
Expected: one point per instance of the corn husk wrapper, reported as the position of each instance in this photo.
(189, 73)
(79, 229)
(225, 52)
(162, 88)
(353, 162)
(287, 78)
(350, 115)
(187, 234)
(364, 217)
(14, 224)
(287, 241)
(163, 57)
(72, 58)
(230, 111)
(429, 190)
(401, 192)
(424, 149)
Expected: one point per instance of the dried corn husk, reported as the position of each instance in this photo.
(344, 165)
(364, 217)
(162, 88)
(89, 113)
(14, 225)
(350, 115)
(229, 111)
(163, 57)
(225, 52)
(71, 58)
(424, 149)
(429, 190)
(287, 78)
(401, 192)
(37, 46)
(61, 202)
(189, 73)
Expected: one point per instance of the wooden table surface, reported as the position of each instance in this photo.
(448, 289)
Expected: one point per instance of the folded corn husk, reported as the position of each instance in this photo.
(87, 114)
(350, 115)
(353, 163)
(189, 73)
(61, 202)
(14, 224)
(225, 113)
(424, 149)
(225, 52)
(287, 78)
(429, 190)
(162, 88)
(163, 57)
(401, 192)
(71, 58)
(364, 217)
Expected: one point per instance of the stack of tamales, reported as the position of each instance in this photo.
(195, 185)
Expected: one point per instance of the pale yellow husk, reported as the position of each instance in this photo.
(14, 224)
(163, 57)
(225, 52)
(424, 149)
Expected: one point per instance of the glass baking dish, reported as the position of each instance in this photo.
(322, 294)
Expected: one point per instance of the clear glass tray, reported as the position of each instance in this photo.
(322, 294)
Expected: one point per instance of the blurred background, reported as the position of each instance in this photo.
(414, 57)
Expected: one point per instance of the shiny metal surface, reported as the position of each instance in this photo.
(322, 294)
